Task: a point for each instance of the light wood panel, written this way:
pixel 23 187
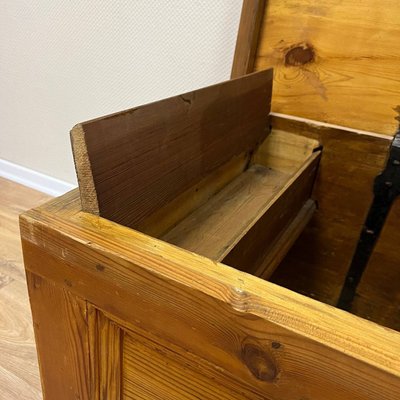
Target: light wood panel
pixel 19 373
pixel 161 371
pixel 62 339
pixel 133 163
pixel 269 340
pixel 334 61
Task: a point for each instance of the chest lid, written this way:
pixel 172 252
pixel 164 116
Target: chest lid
pixel 334 61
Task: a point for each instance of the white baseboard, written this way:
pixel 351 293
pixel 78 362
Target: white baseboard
pixel 34 179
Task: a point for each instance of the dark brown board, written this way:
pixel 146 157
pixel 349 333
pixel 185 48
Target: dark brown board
pixel 131 163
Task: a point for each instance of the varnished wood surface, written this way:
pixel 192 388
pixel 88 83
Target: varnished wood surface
pixel 270 341
pixel 61 334
pixel 19 373
pixel 105 345
pixel 247 40
pixel 133 163
pixel 334 61
pixel 158 371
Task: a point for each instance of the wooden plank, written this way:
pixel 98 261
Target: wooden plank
pixel 334 61
pixel 132 163
pixel 247 40
pixel 161 371
pixel 60 326
pixel 165 218
pixel 270 340
pixel 214 229
pixel 105 344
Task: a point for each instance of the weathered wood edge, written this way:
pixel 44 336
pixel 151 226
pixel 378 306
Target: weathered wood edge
pixel 84 171
pixel 360 339
pixel 247 39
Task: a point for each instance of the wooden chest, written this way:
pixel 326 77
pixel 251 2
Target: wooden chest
pixel 212 240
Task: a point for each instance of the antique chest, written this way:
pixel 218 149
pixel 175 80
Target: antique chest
pixel 239 241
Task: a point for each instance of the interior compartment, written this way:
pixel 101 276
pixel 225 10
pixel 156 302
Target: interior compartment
pixel 242 222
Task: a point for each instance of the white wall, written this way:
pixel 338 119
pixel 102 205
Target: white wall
pixel 63 62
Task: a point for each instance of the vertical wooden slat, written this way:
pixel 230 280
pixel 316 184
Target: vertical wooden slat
pixel 60 325
pixel 247 40
pixel 105 339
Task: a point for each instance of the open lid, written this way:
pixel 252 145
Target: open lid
pixel 334 61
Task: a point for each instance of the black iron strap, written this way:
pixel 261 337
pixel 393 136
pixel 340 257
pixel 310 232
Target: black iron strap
pixel 386 189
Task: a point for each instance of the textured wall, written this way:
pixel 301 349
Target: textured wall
pixel 62 62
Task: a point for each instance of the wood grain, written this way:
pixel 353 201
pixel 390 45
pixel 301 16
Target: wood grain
pixel 214 229
pixel 132 163
pixel 334 61
pixel 247 39
pixel 161 371
pixel 105 347
pixel 19 372
pixel 60 324
pixel 269 340
pixel 165 218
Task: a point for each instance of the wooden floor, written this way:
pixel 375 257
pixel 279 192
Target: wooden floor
pixel 19 374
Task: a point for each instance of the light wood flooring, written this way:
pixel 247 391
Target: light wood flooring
pixel 19 373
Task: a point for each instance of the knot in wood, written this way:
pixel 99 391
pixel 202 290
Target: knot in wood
pixel 260 363
pixel 299 55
